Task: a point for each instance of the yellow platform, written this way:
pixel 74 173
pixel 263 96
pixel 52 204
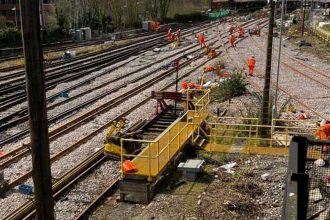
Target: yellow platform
pixel 155 165
pixel 157 154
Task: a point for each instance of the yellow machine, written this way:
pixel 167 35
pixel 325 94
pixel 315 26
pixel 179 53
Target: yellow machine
pixel 176 43
pixel 207 50
pixel 115 133
pixel 212 53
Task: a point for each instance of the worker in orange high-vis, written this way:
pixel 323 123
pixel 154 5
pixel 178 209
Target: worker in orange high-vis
pixel 201 39
pixel 169 35
pixel 231 29
pixel 323 133
pixel 178 33
pixel 241 32
pixel 153 26
pixel 232 40
pixel 208 68
pixel 251 63
pixel 157 25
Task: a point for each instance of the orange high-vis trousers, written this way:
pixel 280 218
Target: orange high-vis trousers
pixel 251 69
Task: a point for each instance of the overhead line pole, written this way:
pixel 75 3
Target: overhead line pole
pixel 35 84
pixel 279 61
pixel 266 92
pixel 303 19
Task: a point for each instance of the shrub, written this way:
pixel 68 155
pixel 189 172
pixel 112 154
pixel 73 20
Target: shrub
pixel 10 37
pixel 195 16
pixel 230 88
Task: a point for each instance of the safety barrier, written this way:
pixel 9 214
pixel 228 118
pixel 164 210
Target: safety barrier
pixel 246 135
pixel 156 154
pixel 323 35
pixel 307 186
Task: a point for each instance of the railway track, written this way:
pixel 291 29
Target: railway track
pixel 54 64
pixel 84 104
pixel 260 88
pixel 74 109
pixel 23 209
pixel 69 72
pixel 66 45
pixel 301 69
pixel 309 77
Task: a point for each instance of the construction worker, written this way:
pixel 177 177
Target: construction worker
pixel 323 133
pixel 257 29
pixel 241 32
pixel 201 39
pixel 212 53
pixel 232 40
pixel 184 85
pixel 178 33
pixel 251 63
pixel 231 19
pixel 208 68
pixel 231 29
pixel 153 26
pixel 169 35
pixel 157 25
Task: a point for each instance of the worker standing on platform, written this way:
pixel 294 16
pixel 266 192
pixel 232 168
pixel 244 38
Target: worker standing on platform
pixel 201 39
pixel 323 133
pixel 232 40
pixel 251 63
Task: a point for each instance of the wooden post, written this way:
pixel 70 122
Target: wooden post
pixel 266 91
pixel 37 108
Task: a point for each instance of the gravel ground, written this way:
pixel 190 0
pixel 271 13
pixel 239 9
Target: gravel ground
pixel 79 197
pixel 67 162
pixel 215 195
pixel 300 87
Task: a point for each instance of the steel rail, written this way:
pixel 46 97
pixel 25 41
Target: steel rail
pixel 28 207
pixel 18 97
pixel 16 151
pixel 296 99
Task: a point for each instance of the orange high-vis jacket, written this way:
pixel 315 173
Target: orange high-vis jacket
pixel 201 37
pixel 184 85
pixel 323 132
pixel 232 39
pixel 251 61
pixel 209 68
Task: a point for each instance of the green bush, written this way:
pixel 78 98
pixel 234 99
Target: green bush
pixel 195 16
pixel 10 37
pixel 230 88
pixel 55 35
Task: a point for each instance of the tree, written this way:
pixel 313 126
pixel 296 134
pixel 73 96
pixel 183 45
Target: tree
pixel 158 8
pixel 163 9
